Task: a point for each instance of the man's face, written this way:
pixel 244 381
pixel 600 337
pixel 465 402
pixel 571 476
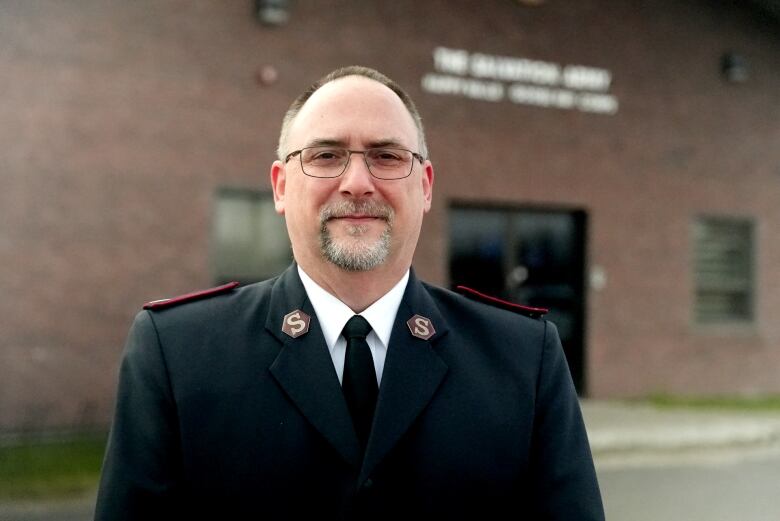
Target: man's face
pixel 355 222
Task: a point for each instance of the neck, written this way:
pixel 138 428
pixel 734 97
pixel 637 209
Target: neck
pixel 357 289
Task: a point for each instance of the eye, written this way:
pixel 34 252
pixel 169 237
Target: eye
pixel 326 154
pixel 387 156
pixel 323 155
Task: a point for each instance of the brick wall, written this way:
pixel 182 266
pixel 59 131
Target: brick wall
pixel 120 119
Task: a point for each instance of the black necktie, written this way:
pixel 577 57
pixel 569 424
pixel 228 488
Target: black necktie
pixel 359 380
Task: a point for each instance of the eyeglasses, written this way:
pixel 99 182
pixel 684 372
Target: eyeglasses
pixel 382 163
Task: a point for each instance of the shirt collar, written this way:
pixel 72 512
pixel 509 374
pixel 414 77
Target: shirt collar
pixel 333 314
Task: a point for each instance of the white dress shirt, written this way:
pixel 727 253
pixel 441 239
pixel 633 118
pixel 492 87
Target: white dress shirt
pixel 333 314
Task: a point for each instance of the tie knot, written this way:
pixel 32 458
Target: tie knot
pixel 357 327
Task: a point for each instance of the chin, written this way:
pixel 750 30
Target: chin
pixel 356 255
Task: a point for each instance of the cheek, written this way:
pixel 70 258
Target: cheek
pixel 414 203
pixel 408 214
pixel 301 217
pixel 305 203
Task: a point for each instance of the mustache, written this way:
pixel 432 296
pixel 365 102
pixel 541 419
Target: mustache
pixel 366 207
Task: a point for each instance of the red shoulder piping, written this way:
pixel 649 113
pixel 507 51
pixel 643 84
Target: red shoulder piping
pixel 505 304
pixel 195 295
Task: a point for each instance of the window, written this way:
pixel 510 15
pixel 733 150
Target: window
pixel 723 264
pixel 249 239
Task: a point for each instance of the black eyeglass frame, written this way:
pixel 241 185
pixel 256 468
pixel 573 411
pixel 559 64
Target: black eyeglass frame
pixel 349 152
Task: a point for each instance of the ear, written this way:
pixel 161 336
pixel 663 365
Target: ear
pixel 427 185
pixel 279 184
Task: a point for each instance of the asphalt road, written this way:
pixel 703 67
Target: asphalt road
pixel 76 510
pixel 719 489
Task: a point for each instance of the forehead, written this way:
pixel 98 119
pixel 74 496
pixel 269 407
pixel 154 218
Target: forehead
pixel 355 110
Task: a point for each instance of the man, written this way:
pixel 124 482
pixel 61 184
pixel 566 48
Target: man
pixel 275 401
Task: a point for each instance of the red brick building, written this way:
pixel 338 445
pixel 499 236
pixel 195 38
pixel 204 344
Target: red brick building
pixel 616 161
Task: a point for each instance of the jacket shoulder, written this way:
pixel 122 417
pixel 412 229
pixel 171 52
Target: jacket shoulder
pixel 190 297
pixel 470 313
pixel 527 311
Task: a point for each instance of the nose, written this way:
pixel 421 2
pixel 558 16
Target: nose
pixel 356 180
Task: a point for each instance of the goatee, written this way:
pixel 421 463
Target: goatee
pixel 356 253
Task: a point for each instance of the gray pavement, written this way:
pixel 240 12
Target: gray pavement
pixel 629 441
pixel 739 490
pixel 79 509
pixel 631 434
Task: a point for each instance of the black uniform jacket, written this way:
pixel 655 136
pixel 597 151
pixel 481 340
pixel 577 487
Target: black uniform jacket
pixel 221 415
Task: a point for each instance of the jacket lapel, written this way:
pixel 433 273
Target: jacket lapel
pixel 412 373
pixel 304 368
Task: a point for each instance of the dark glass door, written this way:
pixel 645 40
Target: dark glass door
pixel 534 257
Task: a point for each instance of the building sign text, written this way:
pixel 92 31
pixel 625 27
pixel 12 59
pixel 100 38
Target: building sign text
pixel 520 80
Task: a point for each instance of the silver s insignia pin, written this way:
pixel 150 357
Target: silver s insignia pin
pixel 421 327
pixel 296 323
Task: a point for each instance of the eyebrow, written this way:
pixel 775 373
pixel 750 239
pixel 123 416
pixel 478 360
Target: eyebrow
pixel 324 142
pixel 329 142
pixel 386 143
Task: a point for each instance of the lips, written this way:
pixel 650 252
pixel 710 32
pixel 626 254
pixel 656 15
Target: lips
pixel 358 217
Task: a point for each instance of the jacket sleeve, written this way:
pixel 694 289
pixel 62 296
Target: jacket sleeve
pixel 565 484
pixel 142 468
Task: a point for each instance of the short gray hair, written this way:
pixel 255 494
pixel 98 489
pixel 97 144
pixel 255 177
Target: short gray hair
pixel 352 70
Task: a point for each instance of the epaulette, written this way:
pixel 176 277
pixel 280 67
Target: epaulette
pixel 189 297
pixel 527 311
